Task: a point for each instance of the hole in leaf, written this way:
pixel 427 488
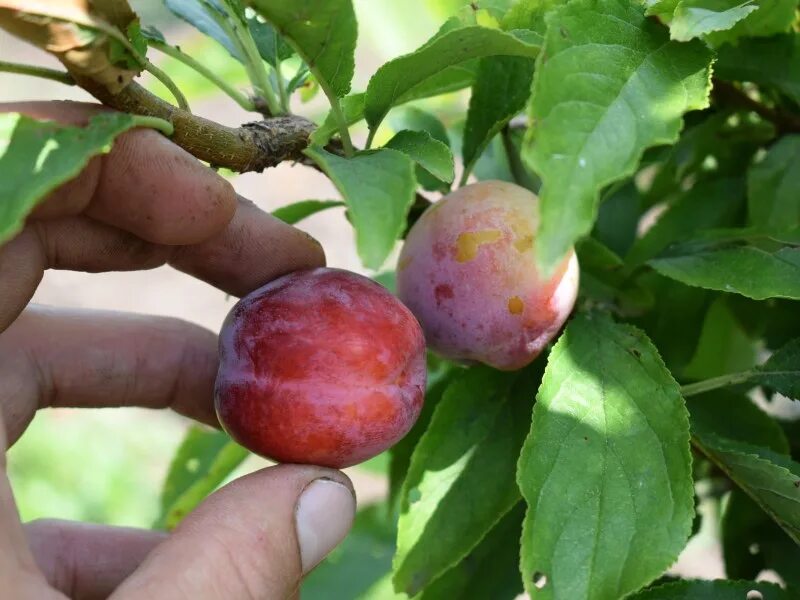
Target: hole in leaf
pixel 754 595
pixel 192 465
pixel 753 549
pixel 539 580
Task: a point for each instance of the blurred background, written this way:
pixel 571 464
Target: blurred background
pixel 107 466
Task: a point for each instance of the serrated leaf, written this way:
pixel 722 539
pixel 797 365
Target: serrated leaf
pixel 771 479
pixel 429 153
pixel 271 46
pixel 206 16
pixel 205 458
pixel 490 570
pixel 773 186
pixel 417 119
pixel 451 79
pixel 38 156
pixel 397 77
pixel 608 85
pixel 378 188
pixel 501 90
pixel 605 470
pixel 461 478
pixel 743 420
pixel 298 211
pixel 747 271
pixel 781 372
pixel 772 16
pixel 709 204
pixel 696 18
pixel 323 32
pixel 712 590
pixel 771 61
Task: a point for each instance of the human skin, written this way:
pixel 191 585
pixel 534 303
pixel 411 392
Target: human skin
pixel 468 272
pixel 145 204
pixel 321 366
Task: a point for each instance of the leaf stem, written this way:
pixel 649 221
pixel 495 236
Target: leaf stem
pixel 518 171
pixel 714 383
pixel 42 72
pixel 284 98
pixel 161 125
pixel 176 53
pixel 170 85
pixel 253 64
pixel 370 138
pixel 336 109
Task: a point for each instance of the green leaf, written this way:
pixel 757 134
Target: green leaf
pixel 461 478
pixel 676 320
pixel 353 111
pixel 205 458
pixel 206 16
pixel 712 590
pixel 772 16
pixel 751 542
pixel 38 156
pixel 771 61
pixel 323 32
pixel 429 153
pixel 773 186
pixel 397 77
pixel 608 85
pixel 696 18
pixel 501 90
pixel 451 79
pixel 298 211
pixel 378 188
pixel 618 218
pixel 400 453
pixel 772 480
pixel 710 203
pixel 416 119
pixel 781 372
pixel 606 469
pixel 723 347
pixel 352 569
pixel 744 421
pixel 271 46
pixel 747 271
pixel 490 571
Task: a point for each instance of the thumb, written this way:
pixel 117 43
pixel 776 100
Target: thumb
pixel 253 539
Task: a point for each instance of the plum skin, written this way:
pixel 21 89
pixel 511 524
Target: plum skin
pixel 321 366
pixel 468 273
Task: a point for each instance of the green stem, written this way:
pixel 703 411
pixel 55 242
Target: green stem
pixel 254 65
pixel 176 53
pixel 161 125
pixel 42 72
pixel 714 383
pixel 282 88
pixel 336 109
pixel 518 171
pixel 370 138
pixel 170 85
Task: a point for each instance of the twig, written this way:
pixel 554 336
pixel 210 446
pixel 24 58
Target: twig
pixel 41 72
pixel 727 94
pixel 251 147
pixel 176 53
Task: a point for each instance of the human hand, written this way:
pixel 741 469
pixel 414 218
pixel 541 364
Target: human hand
pixel 145 204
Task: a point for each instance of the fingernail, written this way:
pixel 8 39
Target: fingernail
pixel 323 517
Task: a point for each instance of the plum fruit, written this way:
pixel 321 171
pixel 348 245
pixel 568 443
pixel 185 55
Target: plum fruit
pixel 468 273
pixel 320 366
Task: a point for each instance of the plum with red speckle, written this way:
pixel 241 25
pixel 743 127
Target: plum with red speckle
pixel 468 272
pixel 321 366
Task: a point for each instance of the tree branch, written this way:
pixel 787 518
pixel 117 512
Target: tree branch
pixel 727 94
pixel 251 147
